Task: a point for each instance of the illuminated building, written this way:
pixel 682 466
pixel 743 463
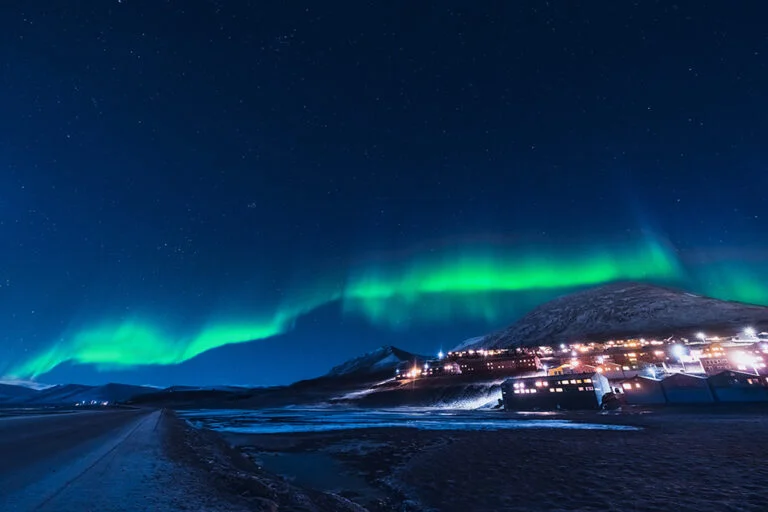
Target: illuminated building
pixel 436 368
pixel 502 361
pixel 554 392
pixel 731 386
pixel 409 370
pixel 641 390
pixel 682 388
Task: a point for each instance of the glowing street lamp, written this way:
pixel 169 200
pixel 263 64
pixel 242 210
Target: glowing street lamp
pixel 679 351
pixel 701 336
pixel 750 332
pixel 440 355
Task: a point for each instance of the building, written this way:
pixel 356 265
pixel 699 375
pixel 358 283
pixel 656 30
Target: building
pixel 552 392
pixel 641 390
pixel 715 365
pixel 571 368
pixel 734 386
pixel 409 370
pixel 683 388
pixel 436 368
pixel 505 364
pixel 744 357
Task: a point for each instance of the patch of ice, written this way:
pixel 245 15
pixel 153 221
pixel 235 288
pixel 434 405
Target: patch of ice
pixel 281 421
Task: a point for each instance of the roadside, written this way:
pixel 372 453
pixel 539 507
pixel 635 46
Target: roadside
pixel 100 461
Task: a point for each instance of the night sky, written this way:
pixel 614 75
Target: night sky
pixel 209 192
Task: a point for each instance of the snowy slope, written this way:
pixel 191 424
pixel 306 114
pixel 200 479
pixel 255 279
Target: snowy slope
pixel 467 343
pixel 75 393
pixel 10 393
pixel 624 310
pixel 381 360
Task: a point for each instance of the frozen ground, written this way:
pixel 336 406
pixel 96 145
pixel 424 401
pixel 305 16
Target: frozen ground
pixel 683 459
pixel 326 419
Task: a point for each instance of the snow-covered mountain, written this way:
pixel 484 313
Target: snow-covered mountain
pixel 469 342
pixel 625 310
pixel 10 393
pixel 70 394
pixel 382 360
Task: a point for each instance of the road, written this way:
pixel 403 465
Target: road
pixel 110 460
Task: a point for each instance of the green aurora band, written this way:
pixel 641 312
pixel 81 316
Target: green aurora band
pixel 447 286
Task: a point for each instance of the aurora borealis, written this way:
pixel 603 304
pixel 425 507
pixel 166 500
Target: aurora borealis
pixel 453 286
pixel 251 194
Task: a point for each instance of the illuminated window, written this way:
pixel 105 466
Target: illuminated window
pixel 559 390
pixel 590 388
pixel 627 385
pixel 551 390
pixel 581 388
pixel 637 385
pixel 573 381
pixel 587 381
pixel 578 381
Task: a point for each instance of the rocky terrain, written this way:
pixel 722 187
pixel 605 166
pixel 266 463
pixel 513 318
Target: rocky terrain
pixel 624 310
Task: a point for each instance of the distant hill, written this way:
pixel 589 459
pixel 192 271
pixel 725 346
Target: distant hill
pixel 68 394
pixel 10 393
pixel 623 310
pixel 383 360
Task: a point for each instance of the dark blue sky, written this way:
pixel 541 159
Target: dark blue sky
pixel 193 164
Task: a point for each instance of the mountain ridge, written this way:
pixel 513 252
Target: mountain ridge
pixel 623 309
pixel 381 360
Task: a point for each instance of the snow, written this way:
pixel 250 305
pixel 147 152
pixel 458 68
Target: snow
pixel 467 343
pixel 379 360
pixel 293 420
pixel 624 310
pixel 387 362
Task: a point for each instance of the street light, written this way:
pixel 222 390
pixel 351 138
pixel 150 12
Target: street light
pixel 701 336
pixel 679 351
pixel 750 332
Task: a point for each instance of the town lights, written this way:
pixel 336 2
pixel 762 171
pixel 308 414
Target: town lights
pixel 744 361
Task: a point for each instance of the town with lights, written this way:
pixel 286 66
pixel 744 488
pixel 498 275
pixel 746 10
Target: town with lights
pixel 641 371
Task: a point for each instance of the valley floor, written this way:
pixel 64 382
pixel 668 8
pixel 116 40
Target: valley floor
pixel 138 460
pixel 683 460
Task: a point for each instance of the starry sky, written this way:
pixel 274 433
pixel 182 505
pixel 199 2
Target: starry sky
pixel 211 192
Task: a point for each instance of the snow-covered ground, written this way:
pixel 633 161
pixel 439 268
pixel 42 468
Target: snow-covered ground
pixel 324 419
